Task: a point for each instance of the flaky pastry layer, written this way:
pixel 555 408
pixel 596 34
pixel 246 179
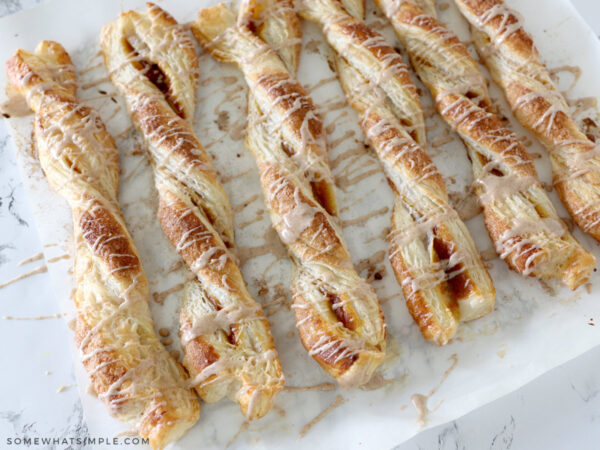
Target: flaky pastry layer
pixel 130 370
pixel 520 219
pixel 514 63
pixel 431 251
pixel 226 339
pixel 337 313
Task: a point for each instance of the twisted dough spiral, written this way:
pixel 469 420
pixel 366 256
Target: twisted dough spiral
pixel 226 339
pixel 131 371
pixel 510 55
pixel 519 216
pixel 431 251
pixel 337 313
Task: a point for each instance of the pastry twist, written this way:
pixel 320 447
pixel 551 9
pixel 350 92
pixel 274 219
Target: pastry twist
pixel 337 313
pixel 130 370
pixel 431 251
pixel 514 63
pixel 226 339
pixel 519 216
pixel 276 23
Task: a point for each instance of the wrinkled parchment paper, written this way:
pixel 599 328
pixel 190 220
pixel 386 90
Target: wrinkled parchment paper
pixel 535 326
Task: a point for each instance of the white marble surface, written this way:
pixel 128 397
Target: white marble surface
pixel 558 410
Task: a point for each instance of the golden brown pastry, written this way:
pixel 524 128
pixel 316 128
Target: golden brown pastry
pixel 130 370
pixel 431 251
pixel 510 55
pixel 519 216
pixel 276 23
pixel 226 339
pixel 337 313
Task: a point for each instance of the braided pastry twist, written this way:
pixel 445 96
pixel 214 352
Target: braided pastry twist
pixel 519 216
pixel 337 313
pixel 431 251
pixel 514 63
pixel 226 339
pixel 130 370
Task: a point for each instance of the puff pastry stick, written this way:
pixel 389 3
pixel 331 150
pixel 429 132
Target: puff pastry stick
pixel 130 370
pixel 337 313
pixel 276 23
pixel 519 216
pixel 226 339
pixel 514 63
pixel 431 251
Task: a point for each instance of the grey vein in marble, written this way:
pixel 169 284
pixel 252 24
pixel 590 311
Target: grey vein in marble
pixel 504 439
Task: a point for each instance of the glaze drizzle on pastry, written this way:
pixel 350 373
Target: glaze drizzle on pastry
pixel 228 347
pixel 131 371
pixel 514 63
pixel 431 251
pixel 521 220
pixel 337 313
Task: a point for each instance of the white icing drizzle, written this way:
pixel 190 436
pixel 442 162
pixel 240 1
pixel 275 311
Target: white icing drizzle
pixel 505 29
pixel 35 257
pixel 420 401
pixel 52 316
pixel 338 401
pixel 221 320
pixel 377 85
pixel 287 138
pixel 515 65
pixel 220 367
pixel 505 178
pixel 218 313
pixel 499 188
pixel 512 241
pixel 297 219
pixel 114 327
pixel 41 269
pixel 307 141
pixel 64 388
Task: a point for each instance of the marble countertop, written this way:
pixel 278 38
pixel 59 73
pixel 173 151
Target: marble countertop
pixel 561 409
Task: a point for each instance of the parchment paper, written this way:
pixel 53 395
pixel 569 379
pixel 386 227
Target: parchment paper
pixel 535 326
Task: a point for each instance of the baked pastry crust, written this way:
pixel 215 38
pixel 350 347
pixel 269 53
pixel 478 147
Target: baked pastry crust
pixel 227 343
pixel 519 216
pixel 130 370
pixel 514 63
pixel 337 313
pixel 431 251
